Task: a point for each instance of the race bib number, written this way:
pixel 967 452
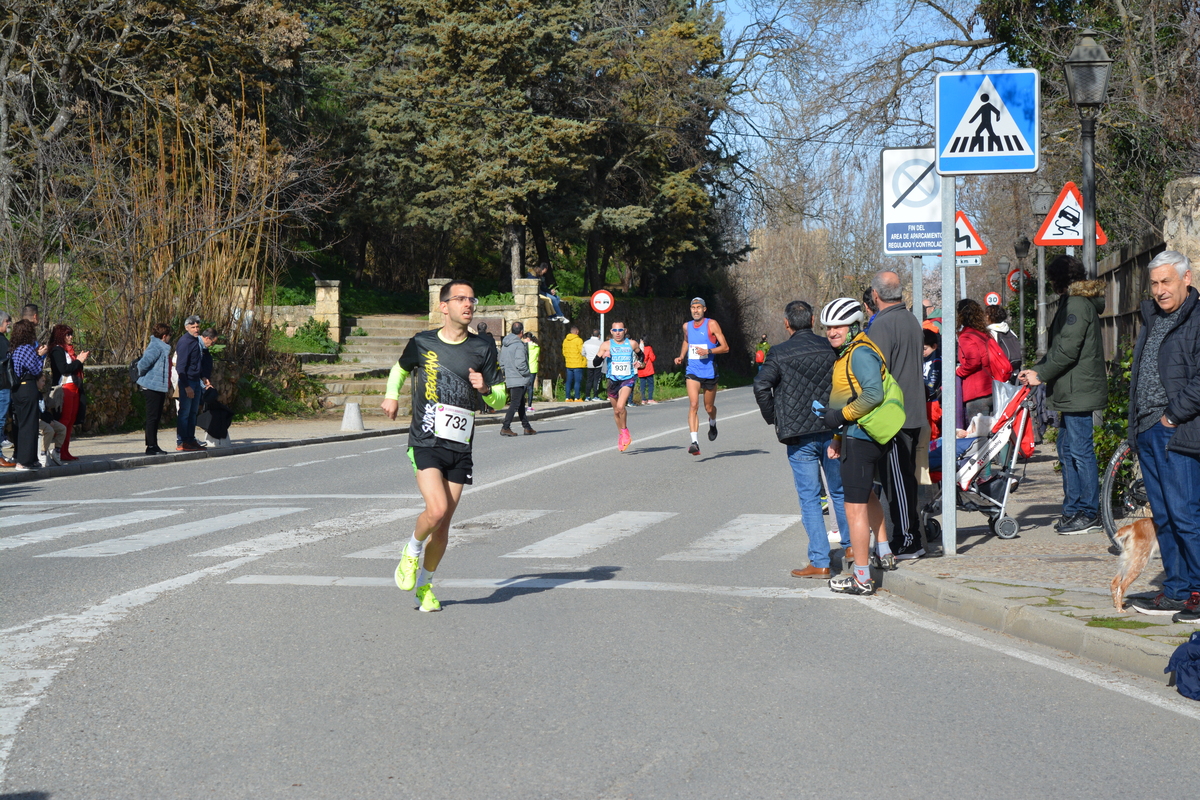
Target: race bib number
pixel 693 354
pixel 622 369
pixel 453 423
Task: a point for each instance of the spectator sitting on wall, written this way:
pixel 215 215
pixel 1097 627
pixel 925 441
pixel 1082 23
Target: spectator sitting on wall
pixel 546 293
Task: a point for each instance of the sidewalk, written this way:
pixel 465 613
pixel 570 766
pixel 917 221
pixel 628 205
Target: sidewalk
pixel 1040 586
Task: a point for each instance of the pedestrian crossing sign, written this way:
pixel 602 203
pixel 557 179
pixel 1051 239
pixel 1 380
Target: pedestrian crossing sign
pixel 986 122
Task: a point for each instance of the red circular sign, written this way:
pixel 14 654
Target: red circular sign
pixel 992 299
pixel 1012 280
pixel 602 301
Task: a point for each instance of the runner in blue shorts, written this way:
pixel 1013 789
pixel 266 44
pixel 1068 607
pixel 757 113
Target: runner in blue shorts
pixel 702 339
pixel 619 356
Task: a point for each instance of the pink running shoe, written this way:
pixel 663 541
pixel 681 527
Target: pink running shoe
pixel 623 439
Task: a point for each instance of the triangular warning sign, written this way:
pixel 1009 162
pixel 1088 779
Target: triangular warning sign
pixel 966 240
pixel 1063 226
pixel 986 127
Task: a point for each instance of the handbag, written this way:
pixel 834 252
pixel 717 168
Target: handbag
pixel 54 400
pixel 883 422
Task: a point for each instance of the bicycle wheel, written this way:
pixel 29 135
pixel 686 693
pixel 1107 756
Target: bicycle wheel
pixel 1122 492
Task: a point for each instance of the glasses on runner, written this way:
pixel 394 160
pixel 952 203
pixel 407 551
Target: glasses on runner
pixel 617 330
pixel 462 298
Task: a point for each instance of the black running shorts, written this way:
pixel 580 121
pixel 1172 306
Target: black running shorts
pixel 707 384
pixel 860 460
pixel 456 467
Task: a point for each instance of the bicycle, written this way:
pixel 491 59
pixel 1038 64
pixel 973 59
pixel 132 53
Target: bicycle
pixel 1123 498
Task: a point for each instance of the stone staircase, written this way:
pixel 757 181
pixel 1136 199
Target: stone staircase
pixel 361 374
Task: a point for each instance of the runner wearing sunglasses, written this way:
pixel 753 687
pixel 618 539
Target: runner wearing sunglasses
pixel 619 357
pixel 451 369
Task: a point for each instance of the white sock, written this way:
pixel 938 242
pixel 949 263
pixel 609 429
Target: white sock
pixel 424 577
pixel 883 548
pixel 712 422
pixel 862 574
pixel 695 438
pixel 415 546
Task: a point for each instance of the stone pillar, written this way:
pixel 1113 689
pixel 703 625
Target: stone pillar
pixel 525 298
pixel 1181 228
pixel 242 307
pixel 435 293
pixel 329 308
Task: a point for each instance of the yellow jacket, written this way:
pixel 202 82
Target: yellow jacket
pixel 572 350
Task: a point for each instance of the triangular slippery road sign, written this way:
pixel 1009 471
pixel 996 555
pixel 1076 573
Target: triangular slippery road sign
pixel 966 239
pixel 1063 226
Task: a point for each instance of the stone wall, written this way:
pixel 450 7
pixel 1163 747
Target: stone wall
pixel 1181 228
pixel 290 317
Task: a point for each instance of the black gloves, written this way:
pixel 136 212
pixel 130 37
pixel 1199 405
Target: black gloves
pixel 833 418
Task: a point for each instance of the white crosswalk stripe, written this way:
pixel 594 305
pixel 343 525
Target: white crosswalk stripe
pixel 29 519
pixel 90 526
pixel 737 538
pixel 285 540
pixel 460 532
pixel 175 533
pixel 592 536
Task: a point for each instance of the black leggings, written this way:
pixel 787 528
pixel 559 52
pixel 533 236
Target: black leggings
pixel 154 410
pixel 25 414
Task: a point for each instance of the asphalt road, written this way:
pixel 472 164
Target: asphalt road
pixel 613 625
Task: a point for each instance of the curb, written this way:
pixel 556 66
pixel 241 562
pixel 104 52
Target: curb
pixel 93 466
pixel 1131 653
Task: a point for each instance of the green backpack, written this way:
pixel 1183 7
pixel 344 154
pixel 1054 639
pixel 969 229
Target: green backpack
pixel 883 422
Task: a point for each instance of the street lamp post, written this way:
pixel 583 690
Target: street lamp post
pixel 1087 70
pixel 1005 265
pixel 1041 196
pixel 1021 246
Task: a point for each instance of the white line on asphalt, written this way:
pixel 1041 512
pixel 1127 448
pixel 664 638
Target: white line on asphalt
pixel 521 476
pixel 284 540
pixel 1112 684
pixel 139 494
pixel 378 450
pixel 218 480
pixel 175 533
pixel 739 536
pixel 306 463
pixel 351 455
pixel 272 469
pixel 763 592
pixel 27 519
pixel 101 524
pixel 591 536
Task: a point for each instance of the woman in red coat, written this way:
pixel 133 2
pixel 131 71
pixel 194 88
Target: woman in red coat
pixel 66 369
pixel 973 359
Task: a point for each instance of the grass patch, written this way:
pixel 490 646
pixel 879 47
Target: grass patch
pixel 311 337
pixel 1118 623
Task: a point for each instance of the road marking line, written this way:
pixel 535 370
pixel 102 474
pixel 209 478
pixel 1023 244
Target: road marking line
pixel 306 463
pixel 175 533
pixel 272 469
pixel 521 476
pixel 259 498
pixel 378 450
pixel 1112 684
pixel 741 535
pixel 148 491
pixel 218 480
pixel 101 524
pixel 351 455
pixel 27 519
pixel 762 592
pixel 284 540
pixel 460 533
pixel 591 536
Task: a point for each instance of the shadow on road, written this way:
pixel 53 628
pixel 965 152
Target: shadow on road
pixel 734 453
pixel 535 582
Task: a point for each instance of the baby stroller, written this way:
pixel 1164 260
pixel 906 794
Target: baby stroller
pixel 977 490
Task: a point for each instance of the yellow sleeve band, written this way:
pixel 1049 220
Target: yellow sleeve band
pixel 395 381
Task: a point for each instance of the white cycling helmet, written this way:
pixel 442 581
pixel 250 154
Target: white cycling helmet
pixel 843 311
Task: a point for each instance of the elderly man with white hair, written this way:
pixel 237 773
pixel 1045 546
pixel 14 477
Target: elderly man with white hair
pixel 1164 427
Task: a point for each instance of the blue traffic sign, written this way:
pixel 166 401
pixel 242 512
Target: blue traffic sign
pixel 987 122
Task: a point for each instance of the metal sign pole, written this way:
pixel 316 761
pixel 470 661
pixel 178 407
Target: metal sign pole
pixel 1041 302
pixel 949 358
pixel 918 284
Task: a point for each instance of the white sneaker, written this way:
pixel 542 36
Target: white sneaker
pixel 44 460
pixel 54 456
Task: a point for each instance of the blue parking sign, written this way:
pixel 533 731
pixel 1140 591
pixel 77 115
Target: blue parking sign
pixel 987 122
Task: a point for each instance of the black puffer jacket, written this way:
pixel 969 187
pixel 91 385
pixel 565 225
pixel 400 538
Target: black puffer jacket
pixel 1179 367
pixel 796 373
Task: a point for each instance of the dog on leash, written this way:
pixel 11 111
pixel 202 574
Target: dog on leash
pixel 1138 543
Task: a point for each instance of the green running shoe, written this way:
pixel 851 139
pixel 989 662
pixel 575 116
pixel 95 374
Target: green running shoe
pixel 406 571
pixel 427 600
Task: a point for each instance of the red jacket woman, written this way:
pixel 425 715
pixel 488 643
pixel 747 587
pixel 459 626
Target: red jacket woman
pixel 67 371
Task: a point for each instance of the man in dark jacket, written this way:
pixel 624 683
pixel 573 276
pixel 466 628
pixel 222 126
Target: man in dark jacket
pixel 1076 385
pixel 897 333
pixel 187 368
pixel 1164 428
pixel 792 389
